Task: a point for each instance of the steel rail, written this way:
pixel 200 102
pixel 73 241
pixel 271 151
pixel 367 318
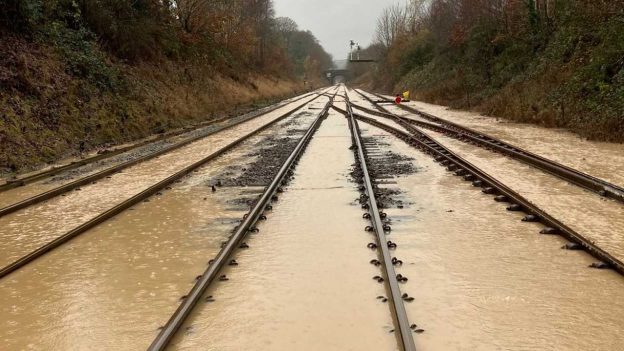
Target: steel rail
pixel 186 307
pixel 396 300
pixel 14 183
pixel 23 261
pixel 563 172
pixel 490 185
pixel 18 182
pixel 112 170
pixel 574 176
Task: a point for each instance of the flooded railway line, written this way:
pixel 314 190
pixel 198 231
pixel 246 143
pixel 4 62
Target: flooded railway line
pixel 295 272
pixel 29 221
pixel 323 186
pixel 478 275
pixel 99 236
pixel 465 134
pixel 502 193
pixel 102 156
pixel 369 196
pixel 91 178
pixel 236 239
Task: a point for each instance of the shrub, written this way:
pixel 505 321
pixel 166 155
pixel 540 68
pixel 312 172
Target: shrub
pixel 20 15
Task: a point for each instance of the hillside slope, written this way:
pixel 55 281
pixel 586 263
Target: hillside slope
pixel 79 75
pixel 46 113
pixel 550 62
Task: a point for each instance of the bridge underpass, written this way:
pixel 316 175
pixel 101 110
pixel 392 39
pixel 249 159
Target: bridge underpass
pixel 335 76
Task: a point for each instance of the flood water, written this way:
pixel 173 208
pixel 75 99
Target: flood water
pixel 111 288
pixel 484 280
pixel 598 219
pixel 481 278
pixel 600 159
pixel 305 283
pixel 25 230
pixel 21 193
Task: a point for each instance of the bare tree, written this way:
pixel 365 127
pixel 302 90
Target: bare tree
pixel 392 23
pixel 418 14
pixel 285 25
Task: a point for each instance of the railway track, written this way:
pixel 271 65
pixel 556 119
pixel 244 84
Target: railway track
pixel 56 170
pixel 128 203
pixel 403 328
pixel 454 130
pixel 491 186
pixel 364 152
pixel 223 257
pixel 404 335
pixel 47 195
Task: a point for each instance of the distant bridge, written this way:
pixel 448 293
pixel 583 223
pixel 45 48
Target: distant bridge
pixel 340 72
pixel 336 75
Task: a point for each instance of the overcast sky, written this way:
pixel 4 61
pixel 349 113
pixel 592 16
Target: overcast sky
pixel 335 22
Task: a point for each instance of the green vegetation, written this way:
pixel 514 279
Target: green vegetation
pixel 76 75
pixel 558 63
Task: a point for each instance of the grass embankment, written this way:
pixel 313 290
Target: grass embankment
pixel 49 112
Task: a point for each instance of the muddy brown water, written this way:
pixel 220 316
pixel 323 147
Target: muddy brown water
pixel 305 283
pixel 598 219
pixel 483 280
pixel 600 159
pixel 25 230
pixel 111 288
pixel 21 193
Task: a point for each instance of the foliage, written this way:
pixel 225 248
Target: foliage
pixel 20 15
pixel 554 62
pixel 231 33
pixel 82 74
pixel 307 56
pixel 133 30
pixel 82 56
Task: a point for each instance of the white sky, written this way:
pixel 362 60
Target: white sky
pixel 335 22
